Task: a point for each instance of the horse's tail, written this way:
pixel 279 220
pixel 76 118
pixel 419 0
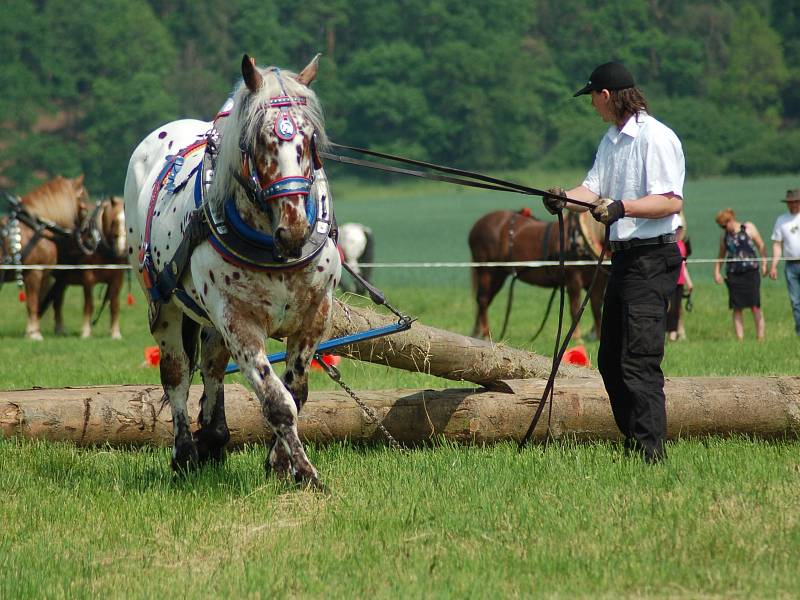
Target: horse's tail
pixel 56 290
pixel 106 299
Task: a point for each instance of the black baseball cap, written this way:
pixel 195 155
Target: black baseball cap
pixel 609 76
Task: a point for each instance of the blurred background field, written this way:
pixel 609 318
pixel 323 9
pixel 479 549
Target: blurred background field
pixel 430 222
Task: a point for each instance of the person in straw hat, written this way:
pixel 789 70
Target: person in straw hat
pixel 786 243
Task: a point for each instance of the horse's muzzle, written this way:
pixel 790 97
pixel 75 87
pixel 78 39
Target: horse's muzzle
pixel 289 241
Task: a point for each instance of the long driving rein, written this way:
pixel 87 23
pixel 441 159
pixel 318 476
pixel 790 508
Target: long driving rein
pixel 478 180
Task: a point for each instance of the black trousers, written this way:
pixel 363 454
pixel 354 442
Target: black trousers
pixel 632 343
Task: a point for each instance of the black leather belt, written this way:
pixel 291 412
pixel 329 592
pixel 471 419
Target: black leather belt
pixel 667 238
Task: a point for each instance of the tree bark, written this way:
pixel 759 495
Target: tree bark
pixel 442 353
pixel 766 407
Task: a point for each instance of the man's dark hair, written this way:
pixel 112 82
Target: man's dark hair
pixel 627 102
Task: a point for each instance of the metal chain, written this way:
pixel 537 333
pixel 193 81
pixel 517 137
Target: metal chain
pixel 334 374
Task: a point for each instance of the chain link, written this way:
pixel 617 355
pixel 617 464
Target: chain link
pixel 334 374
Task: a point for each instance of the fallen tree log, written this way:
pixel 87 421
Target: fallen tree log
pixel 132 415
pixel 424 349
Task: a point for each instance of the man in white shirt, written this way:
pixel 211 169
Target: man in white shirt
pixel 636 186
pixel 786 243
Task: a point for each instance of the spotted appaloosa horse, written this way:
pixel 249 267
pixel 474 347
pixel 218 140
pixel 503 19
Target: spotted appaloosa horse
pixel 357 244
pixel 64 203
pixel 107 222
pixel 266 183
pixel 507 236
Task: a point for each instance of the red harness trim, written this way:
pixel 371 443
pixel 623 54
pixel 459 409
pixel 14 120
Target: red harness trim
pixel 157 185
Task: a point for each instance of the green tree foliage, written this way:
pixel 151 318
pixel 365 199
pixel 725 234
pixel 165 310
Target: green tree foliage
pixel 483 84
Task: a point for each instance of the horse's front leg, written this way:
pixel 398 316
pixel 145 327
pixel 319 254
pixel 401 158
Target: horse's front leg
pixel 59 290
pixel 300 350
pixel 33 284
pixel 574 289
pixel 213 434
pixel 88 309
pixel 114 288
pixel 176 367
pixel 277 404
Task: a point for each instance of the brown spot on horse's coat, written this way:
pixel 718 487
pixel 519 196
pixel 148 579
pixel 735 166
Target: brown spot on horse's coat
pixel 171 371
pixel 211 275
pixel 205 289
pixel 227 280
pixel 320 269
pixel 236 275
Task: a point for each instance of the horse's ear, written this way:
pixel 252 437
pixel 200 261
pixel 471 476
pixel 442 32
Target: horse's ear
pixel 78 181
pixel 252 76
pixel 308 74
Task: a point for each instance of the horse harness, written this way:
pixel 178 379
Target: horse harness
pixel 40 226
pixel 231 237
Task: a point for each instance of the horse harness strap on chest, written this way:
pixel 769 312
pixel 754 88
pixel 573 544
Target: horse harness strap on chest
pixel 36 224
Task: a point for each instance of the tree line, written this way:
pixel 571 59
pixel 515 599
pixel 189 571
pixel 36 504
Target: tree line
pixel 483 84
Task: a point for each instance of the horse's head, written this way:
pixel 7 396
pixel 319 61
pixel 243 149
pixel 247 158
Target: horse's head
pixel 112 226
pixel 279 124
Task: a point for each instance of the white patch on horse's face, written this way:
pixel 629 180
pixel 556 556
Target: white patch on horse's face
pixel 282 158
pixel 119 234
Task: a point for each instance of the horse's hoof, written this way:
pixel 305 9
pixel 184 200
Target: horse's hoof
pixel 312 484
pixel 35 336
pixel 185 458
pixel 211 445
pixel 210 454
pixel 116 336
pixel 279 468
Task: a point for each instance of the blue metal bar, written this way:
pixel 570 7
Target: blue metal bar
pixel 336 342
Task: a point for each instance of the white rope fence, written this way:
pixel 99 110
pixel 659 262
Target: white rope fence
pixel 397 265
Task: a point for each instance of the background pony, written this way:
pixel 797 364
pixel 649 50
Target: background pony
pixel 107 223
pixel 357 245
pixel 508 236
pixel 47 232
pixel 262 262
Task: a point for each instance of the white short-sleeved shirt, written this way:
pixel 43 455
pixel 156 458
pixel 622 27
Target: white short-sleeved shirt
pixel 644 157
pixel 787 230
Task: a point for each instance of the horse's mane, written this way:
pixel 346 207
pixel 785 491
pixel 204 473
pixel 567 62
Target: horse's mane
pixel 248 118
pixel 55 201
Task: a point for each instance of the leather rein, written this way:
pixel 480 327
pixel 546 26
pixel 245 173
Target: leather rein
pixel 478 180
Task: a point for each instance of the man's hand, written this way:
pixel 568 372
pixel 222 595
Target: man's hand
pixel 773 272
pixel 555 205
pixel 608 211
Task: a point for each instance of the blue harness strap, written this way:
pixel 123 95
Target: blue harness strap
pixel 370 334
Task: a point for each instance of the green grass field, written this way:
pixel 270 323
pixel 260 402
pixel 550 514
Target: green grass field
pixel 718 519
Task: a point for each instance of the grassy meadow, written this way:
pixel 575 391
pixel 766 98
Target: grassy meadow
pixel 717 519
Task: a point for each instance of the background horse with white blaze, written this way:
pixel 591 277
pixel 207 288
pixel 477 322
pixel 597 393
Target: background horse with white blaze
pixel 106 224
pixel 268 195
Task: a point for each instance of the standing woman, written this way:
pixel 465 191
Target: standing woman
pixel 739 241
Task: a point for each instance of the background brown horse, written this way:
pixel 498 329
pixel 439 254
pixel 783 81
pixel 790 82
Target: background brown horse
pixel 108 219
pixel 505 236
pixel 63 203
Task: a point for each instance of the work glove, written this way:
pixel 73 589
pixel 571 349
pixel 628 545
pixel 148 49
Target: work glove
pixel 555 205
pixel 608 211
